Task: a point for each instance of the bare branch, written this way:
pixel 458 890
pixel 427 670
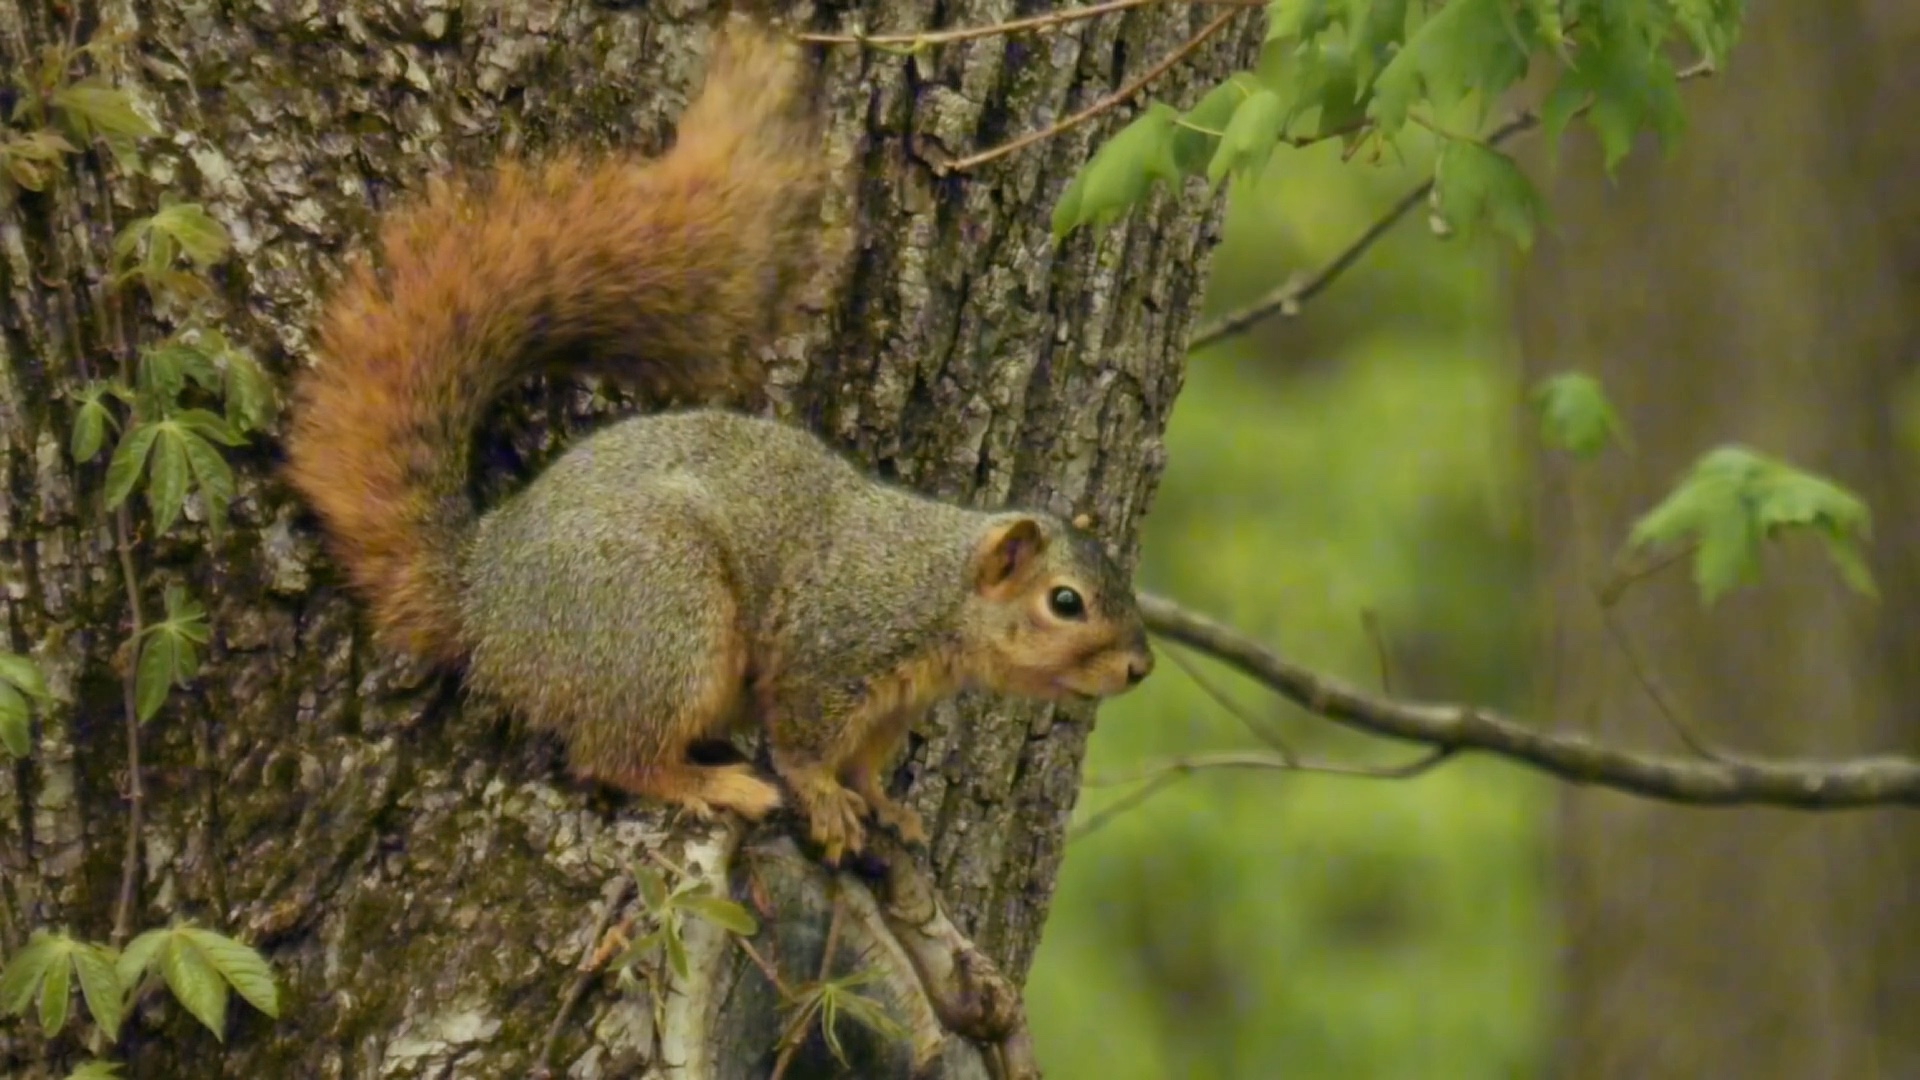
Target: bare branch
pixel 1256 728
pixel 1118 97
pixel 591 961
pixel 1162 775
pixel 1287 298
pixel 912 43
pixel 1807 785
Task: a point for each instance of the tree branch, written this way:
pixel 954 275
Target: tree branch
pixel 1287 298
pixel 1806 785
pixel 910 43
pixel 1166 64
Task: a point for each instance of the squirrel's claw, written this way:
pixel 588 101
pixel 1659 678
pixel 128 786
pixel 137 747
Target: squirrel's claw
pixel 833 814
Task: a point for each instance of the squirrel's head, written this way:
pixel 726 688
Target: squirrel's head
pixel 1050 616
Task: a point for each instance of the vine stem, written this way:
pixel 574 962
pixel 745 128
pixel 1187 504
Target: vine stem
pixel 130 679
pixel 136 791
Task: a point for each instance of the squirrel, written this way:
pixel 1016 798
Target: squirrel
pixel 677 574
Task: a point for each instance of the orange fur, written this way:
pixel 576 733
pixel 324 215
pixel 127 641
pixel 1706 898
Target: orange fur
pixel 657 270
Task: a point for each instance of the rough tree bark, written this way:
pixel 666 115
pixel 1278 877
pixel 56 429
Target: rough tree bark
pixel 1759 286
pixel 409 860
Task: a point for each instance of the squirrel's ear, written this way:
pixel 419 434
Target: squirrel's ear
pixel 1008 551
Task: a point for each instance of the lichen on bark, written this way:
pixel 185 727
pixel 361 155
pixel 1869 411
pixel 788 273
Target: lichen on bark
pixel 411 860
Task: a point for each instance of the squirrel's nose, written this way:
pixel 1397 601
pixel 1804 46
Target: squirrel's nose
pixel 1139 668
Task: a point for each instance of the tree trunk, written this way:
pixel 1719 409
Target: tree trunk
pixel 412 863
pixel 1758 287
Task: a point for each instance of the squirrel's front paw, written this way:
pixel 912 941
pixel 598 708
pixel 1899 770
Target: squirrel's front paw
pixel 833 815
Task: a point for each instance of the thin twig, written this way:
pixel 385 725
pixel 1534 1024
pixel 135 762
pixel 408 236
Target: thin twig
pixel 1643 674
pixel 1287 298
pixel 1264 732
pixel 1117 97
pixel 590 965
pixel 1807 785
pixel 1161 775
pixel 1371 620
pixel 766 967
pixel 130 699
pixel 1132 799
pixel 1626 577
pixel 915 42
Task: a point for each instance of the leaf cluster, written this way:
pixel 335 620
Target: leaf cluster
pixel 1730 501
pixel 666 910
pixel 1364 71
pixel 197 965
pixel 169 413
pixel 826 1001
pixel 55 113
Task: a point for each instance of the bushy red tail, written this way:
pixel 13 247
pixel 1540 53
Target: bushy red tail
pixel 664 271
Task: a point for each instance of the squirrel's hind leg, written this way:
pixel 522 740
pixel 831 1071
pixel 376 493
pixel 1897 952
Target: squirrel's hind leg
pixel 700 789
pixel 618 629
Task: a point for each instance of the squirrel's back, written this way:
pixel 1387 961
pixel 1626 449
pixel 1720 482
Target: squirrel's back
pixel 666 272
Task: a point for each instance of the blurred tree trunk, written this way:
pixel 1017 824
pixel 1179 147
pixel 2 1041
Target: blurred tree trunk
pixel 412 865
pixel 1758 287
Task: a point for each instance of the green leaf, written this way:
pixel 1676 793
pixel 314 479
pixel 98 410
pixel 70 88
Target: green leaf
pixel 188 618
pixel 1734 498
pixel 676 948
pixel 1249 138
pixel 1630 84
pixel 25 675
pixel 1575 414
pixel 728 915
pixel 201 237
pixel 90 422
pixel 1330 81
pixel 1199 130
pixel 209 425
pixel 56 992
pixel 32 158
pixel 165 369
pixel 637 950
pixel 167 484
pixel 240 965
pixel 129 461
pixel 93 106
pixel 1712 25
pixel 153 674
pixel 1121 173
pixel 1728 555
pixel 96 1069
pixel 250 396
pixel 653 887
pixel 1375 27
pixel 138 956
pixel 1467 46
pixel 20 981
pixel 16 730
pixel 214 478
pixel 1477 184
pixel 100 986
pixel 869 1014
pixel 1297 19
pixel 195 983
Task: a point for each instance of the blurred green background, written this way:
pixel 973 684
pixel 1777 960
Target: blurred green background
pixel 1357 459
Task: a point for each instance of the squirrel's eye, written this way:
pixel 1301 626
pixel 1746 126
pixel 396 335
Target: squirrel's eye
pixel 1066 603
